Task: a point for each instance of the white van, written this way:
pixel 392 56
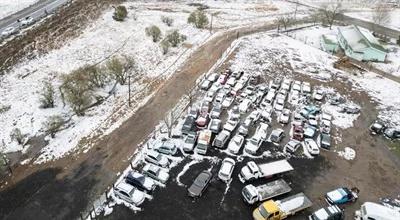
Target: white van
pixel 370 210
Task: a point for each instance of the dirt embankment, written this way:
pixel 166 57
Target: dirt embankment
pixel 53 32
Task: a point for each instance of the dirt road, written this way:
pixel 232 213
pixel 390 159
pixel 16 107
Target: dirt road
pixel 62 189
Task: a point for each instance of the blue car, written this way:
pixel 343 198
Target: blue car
pixel 342 195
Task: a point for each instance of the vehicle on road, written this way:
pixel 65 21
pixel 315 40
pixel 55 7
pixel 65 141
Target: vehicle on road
pixel 252 194
pixel 342 195
pixel 236 144
pixel 8 32
pixel 129 193
pixel 281 209
pixel 370 210
pixel 189 142
pixel 26 21
pixel 277 135
pixel 221 139
pixel 226 170
pixel 140 181
pixel 156 173
pixel 156 158
pixel 200 184
pixel 328 213
pixel 252 171
pixel 311 146
pixel 203 141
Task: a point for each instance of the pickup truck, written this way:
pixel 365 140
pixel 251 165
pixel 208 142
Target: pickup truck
pixel 252 171
pixel 252 194
pixel 281 209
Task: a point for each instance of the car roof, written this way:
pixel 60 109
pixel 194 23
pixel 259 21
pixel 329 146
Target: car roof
pixel 125 187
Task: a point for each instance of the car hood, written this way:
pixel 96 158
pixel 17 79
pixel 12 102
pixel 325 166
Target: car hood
pixel 164 161
pixel 194 190
pixel 137 197
pixel 163 176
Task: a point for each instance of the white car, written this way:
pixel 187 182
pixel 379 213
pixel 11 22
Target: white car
pixel 318 95
pixel 234 113
pixel 284 116
pixel 156 158
pixel 279 105
pixel 255 115
pixel 129 193
pixel 292 146
pixel 156 173
pixel 227 102
pixel 296 86
pixel 231 124
pixel 306 88
pixel 205 84
pixel 226 170
pixel 262 131
pixel 212 77
pixel 231 81
pixel 8 31
pixel 311 146
pixel 253 144
pixel 26 21
pixel 244 105
pixel 189 142
pixel 235 144
pixel 209 97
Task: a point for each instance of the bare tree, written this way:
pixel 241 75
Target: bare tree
pixel 16 135
pixel 316 17
pixel 330 11
pixel 381 14
pixel 47 95
pixel 284 21
pixel 54 124
pixel 169 121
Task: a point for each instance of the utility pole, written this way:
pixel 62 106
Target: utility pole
pixel 211 24
pixel 129 89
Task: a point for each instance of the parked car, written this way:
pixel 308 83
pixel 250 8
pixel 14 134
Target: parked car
pixel 392 133
pixel 336 100
pixel 318 95
pixel 231 124
pixel 262 131
pixel 244 127
pixel 325 141
pixel 200 184
pixel 140 181
pixel 297 132
pixel 342 195
pixel 255 115
pixel 277 135
pixel 328 213
pixel 227 102
pixel 212 77
pixel 292 146
pixel 222 79
pixel 205 85
pixel 166 147
pixel 129 193
pixel 202 121
pixel 216 111
pixel 235 144
pixel 220 97
pixel 189 142
pixel 284 116
pixel 309 131
pixel 234 113
pixel 188 125
pixel 311 146
pixel 209 97
pixel 244 105
pixel 231 81
pixel 279 104
pixel 156 173
pixel 253 144
pixel 8 31
pixel 350 109
pixel 215 126
pixel 156 158
pixel 221 139
pixel 377 128
pixel 226 170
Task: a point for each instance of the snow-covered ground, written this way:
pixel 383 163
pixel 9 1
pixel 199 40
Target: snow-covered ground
pixel 367 15
pixel 9 7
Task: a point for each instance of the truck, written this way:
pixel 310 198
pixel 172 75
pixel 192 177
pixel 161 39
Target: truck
pixel 370 210
pixel 252 171
pixel 252 194
pixel 281 209
pixel 203 141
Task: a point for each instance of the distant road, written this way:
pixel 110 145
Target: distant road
pixel 36 11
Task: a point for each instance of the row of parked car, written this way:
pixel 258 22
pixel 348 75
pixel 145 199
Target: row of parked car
pixel 24 22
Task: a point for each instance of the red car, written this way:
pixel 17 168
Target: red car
pixel 222 79
pixel 297 132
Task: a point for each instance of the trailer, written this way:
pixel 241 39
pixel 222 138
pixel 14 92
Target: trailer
pixel 252 171
pixel 252 194
pixel 281 209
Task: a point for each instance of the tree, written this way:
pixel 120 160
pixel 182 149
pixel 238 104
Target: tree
pixel 116 68
pixel 198 18
pixel 53 125
pixel 165 45
pixel 96 76
pixel 381 14
pixel 175 38
pixel 120 13
pixel 316 17
pixel 167 20
pixel 16 135
pixel 284 20
pixel 47 95
pixel 330 11
pixel 153 32
pixel 169 121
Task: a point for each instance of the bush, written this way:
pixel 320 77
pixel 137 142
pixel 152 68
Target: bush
pixel 16 135
pixel 53 124
pixel 153 32
pixel 119 69
pixel 175 38
pixel 198 18
pixel 120 13
pixel 167 20
pixel 96 76
pixel 165 46
pixel 47 95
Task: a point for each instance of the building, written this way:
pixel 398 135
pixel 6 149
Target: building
pixel 329 43
pixel 360 44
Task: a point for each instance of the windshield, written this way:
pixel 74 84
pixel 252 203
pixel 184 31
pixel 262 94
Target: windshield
pixel 263 212
pixel 246 193
pixel 190 140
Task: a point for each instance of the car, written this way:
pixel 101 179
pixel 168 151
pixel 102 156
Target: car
pixel 205 85
pixel 296 86
pixel 255 115
pixel 234 113
pixel 200 184
pixel 219 98
pixel 212 77
pixel 332 212
pixel 306 88
pixel 253 144
pixel 166 147
pixel 292 146
pixel 231 81
pixel 244 127
pixel 262 131
pixel 336 100
pixel 318 95
pixel 279 104
pixel 277 135
pixel 231 124
pixel 140 181
pixel 156 158
pixel 235 144
pixel 244 105
pixel 377 128
pixel 227 101
pixel 351 109
pixel 128 193
pixel 325 126
pixel 325 141
pixel 266 114
pixel 8 31
pixel 188 125
pixel 209 97
pixel 221 139
pixel 342 195
pixel 215 88
pixel 392 133
pixel 216 111
pixel 193 111
pixel 155 173
pixel 189 142
pixel 311 146
pixel 222 79
pixel 309 131
pixel 275 84
pixel 26 21
pixel 284 116
pixel 215 126
pixel 312 122
pixel 205 107
pixel 202 121
pixel 226 170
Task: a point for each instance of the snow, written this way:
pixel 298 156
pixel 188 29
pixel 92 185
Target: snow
pixel 292 204
pixel 367 15
pixel 348 153
pixel 341 120
pixel 185 168
pixel 9 7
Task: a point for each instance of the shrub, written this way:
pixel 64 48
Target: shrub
pixel 53 125
pixel 198 18
pixel 153 32
pixel 165 46
pixel 175 38
pixel 17 135
pixel 96 76
pixel 120 13
pixel 119 69
pixel 47 95
pixel 167 20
